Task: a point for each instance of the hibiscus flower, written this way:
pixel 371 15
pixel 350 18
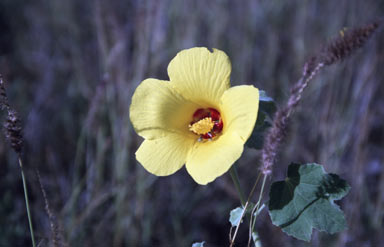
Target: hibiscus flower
pixel 195 118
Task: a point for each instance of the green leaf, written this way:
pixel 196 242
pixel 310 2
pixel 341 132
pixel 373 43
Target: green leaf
pixel 256 239
pixel 305 200
pixel 201 244
pixel 235 214
pixel 266 104
pixel 256 140
pixel 267 108
pixel 255 235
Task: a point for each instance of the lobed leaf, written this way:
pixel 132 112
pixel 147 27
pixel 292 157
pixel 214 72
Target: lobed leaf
pixel 266 104
pixel 267 108
pixel 200 244
pixel 235 216
pixel 305 200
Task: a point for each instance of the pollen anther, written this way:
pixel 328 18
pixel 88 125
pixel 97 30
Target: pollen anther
pixel 202 126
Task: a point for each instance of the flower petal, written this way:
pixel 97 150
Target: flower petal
pixel 239 106
pixel 164 156
pixel 209 160
pixel 201 75
pixel 157 108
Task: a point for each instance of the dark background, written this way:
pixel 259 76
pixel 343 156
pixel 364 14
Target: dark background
pixel 71 68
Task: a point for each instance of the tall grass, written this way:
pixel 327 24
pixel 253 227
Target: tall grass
pixel 72 67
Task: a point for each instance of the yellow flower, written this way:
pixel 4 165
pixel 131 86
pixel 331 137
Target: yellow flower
pixel 194 119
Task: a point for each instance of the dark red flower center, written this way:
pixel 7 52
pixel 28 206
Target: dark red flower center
pixel 207 123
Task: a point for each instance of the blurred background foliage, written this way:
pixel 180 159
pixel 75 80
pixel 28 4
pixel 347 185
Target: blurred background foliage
pixel 71 68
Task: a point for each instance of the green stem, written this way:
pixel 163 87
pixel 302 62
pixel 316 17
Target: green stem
pixel 236 182
pixel 259 201
pixel 27 203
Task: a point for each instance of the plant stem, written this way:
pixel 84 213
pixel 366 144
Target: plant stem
pixel 258 202
pixel 27 203
pixel 236 182
pixel 254 187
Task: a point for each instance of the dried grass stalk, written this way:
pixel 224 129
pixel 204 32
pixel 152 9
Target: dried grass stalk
pixel 12 124
pixel 333 52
